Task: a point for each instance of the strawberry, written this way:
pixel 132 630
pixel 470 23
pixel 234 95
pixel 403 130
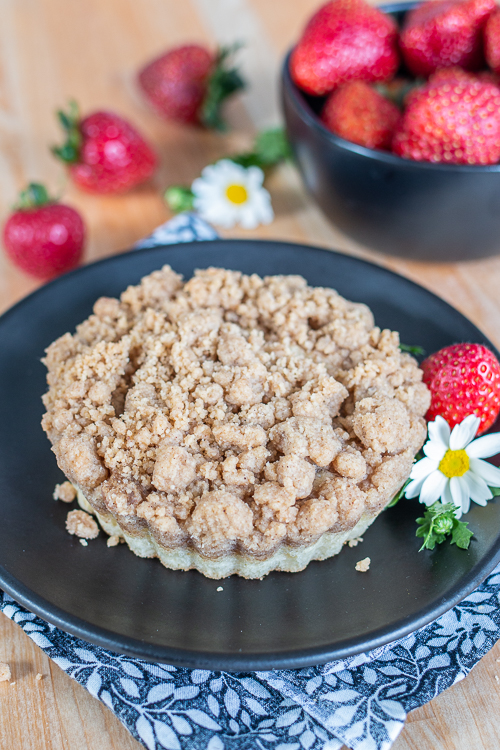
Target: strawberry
pixel 454 118
pixel 492 41
pixel 189 84
pixel 105 154
pixel 445 33
pixel 345 40
pixel 463 379
pixel 358 113
pixel 43 237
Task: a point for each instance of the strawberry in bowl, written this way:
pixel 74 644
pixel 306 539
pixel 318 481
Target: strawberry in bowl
pixel 429 188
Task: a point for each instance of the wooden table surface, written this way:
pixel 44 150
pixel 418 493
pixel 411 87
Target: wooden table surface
pixel 51 50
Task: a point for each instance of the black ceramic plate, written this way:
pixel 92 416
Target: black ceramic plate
pixel 114 599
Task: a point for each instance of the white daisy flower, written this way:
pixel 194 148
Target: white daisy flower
pixel 452 468
pixel 227 194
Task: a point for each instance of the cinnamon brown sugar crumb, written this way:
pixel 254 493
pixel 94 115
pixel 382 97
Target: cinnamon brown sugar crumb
pixel 64 492
pixel 363 565
pixel 232 413
pixel 39 677
pixel 81 524
pixel 5 674
pixel 113 541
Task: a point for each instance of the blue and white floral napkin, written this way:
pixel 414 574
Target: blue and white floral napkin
pixel 361 702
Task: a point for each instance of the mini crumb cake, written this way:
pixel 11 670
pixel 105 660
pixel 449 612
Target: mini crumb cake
pixel 233 424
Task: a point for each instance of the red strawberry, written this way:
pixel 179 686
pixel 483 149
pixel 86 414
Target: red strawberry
pixel 492 41
pixel 43 237
pixel 189 84
pixel 444 33
pixel 105 154
pixel 345 40
pixel 358 113
pixel 463 379
pixel 454 118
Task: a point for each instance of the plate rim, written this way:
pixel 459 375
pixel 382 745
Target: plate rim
pixel 233 661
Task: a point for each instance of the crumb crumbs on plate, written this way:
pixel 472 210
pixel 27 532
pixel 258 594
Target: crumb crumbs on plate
pixel 497 678
pixel 12 684
pixel 39 677
pixel 113 541
pixel 64 492
pixel 219 588
pixel 81 524
pixel 5 674
pixel 84 542
pixel 363 565
pixel 355 542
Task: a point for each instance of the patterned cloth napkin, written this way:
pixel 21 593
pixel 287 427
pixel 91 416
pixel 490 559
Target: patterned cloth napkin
pixel 361 702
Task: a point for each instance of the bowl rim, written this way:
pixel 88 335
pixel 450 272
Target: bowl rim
pixel 311 119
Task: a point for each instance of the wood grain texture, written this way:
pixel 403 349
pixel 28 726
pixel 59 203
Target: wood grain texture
pixel 51 50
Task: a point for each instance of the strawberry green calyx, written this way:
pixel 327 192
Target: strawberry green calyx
pixel 224 81
pixel 33 196
pixel 69 152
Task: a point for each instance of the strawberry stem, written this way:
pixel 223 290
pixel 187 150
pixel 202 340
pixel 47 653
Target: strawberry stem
pixel 33 196
pixel 224 81
pixel 69 152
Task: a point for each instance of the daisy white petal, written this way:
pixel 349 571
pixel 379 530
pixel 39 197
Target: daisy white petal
pixel 446 497
pixel 414 487
pixel 423 468
pixel 486 471
pixel 478 489
pixel 460 495
pixel 432 488
pixel 484 447
pixel 439 431
pixel 434 450
pixel 464 432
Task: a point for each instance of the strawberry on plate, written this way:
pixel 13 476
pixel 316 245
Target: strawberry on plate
pixel 104 152
pixel 360 114
pixel 345 40
pixel 463 379
pixel 43 237
pixel 189 84
pixel 454 118
pixel 492 41
pixel 444 33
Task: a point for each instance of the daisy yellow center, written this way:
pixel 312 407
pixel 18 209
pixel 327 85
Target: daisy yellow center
pixel 237 194
pixel 454 463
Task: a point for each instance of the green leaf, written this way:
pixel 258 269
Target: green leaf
pixel 179 198
pixel 438 522
pixel 399 495
pixel 34 195
pixel 461 535
pixel 270 148
pixel 415 350
pixel 223 82
pixel 69 151
pixel 495 491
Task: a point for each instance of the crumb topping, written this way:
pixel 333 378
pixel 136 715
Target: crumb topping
pixel 363 565
pixel 81 524
pixel 64 492
pixel 5 674
pixel 233 412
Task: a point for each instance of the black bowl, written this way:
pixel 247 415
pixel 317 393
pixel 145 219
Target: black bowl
pixel 417 210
